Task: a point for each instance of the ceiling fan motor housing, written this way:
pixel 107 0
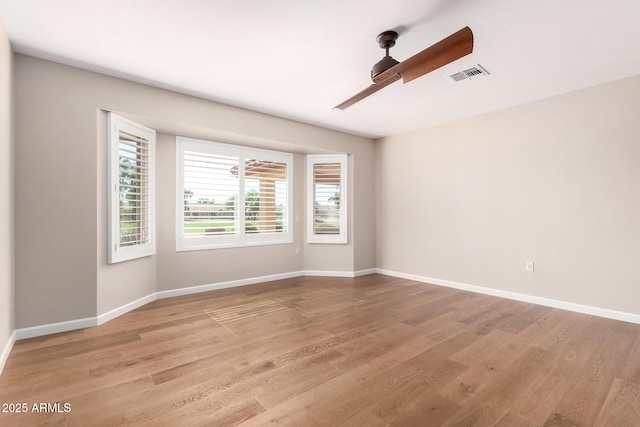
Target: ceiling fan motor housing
pixel 383 65
pixel 386 40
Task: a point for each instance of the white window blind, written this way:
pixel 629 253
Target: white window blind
pixel 327 199
pixel 210 194
pixel 231 195
pixel 266 196
pixel 131 190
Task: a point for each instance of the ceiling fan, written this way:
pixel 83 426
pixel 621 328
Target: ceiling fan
pixel 388 70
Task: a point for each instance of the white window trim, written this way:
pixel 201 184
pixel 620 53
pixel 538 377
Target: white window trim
pixel 241 239
pixel 116 253
pixel 340 238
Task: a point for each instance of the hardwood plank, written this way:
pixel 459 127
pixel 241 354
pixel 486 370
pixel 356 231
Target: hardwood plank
pixel 418 393
pixel 319 351
pixel 152 357
pixel 482 312
pixel 622 406
pixel 212 413
pixel 481 372
pixel 583 401
pixel 34 419
pixel 70 349
pixel 167 398
pixel 298 378
pixel 559 420
pixel 340 408
pixel 536 403
pixel 238 353
pixel 489 404
pixel 488 361
pixel 364 419
pixel 631 369
pixel 297 408
pixel 577 351
pixel 486 344
pixel 511 419
pixel 110 398
pixel 432 410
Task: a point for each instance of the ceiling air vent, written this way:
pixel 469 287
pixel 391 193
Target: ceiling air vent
pixel 470 73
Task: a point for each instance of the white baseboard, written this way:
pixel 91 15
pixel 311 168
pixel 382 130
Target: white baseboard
pixel 70 325
pixel 261 279
pixel 364 272
pixel 328 273
pixel 119 311
pixel 564 305
pixel 6 350
pixel 54 328
pixel 225 285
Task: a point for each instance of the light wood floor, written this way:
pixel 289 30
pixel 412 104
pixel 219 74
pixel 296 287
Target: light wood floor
pixel 370 351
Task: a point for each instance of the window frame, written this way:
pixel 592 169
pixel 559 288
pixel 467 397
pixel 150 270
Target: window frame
pixel 116 252
pixel 342 236
pixel 242 238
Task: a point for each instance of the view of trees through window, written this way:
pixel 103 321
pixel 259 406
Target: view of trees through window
pixel 326 198
pixel 212 185
pixel 133 193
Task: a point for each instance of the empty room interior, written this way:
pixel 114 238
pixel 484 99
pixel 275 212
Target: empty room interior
pixel 356 213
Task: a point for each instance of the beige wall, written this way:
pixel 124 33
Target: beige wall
pixel 364 214
pixel 554 181
pixel 6 194
pixel 61 266
pixel 56 206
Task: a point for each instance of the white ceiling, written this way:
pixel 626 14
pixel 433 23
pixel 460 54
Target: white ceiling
pixel 298 59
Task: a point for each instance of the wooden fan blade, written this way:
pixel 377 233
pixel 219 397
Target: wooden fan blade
pixel 447 50
pixel 368 91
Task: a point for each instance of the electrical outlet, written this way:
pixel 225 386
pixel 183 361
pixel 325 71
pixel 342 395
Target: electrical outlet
pixel 297 251
pixel 529 266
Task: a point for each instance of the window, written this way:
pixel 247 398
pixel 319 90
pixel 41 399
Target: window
pixel 231 195
pixel 131 184
pixel 327 198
